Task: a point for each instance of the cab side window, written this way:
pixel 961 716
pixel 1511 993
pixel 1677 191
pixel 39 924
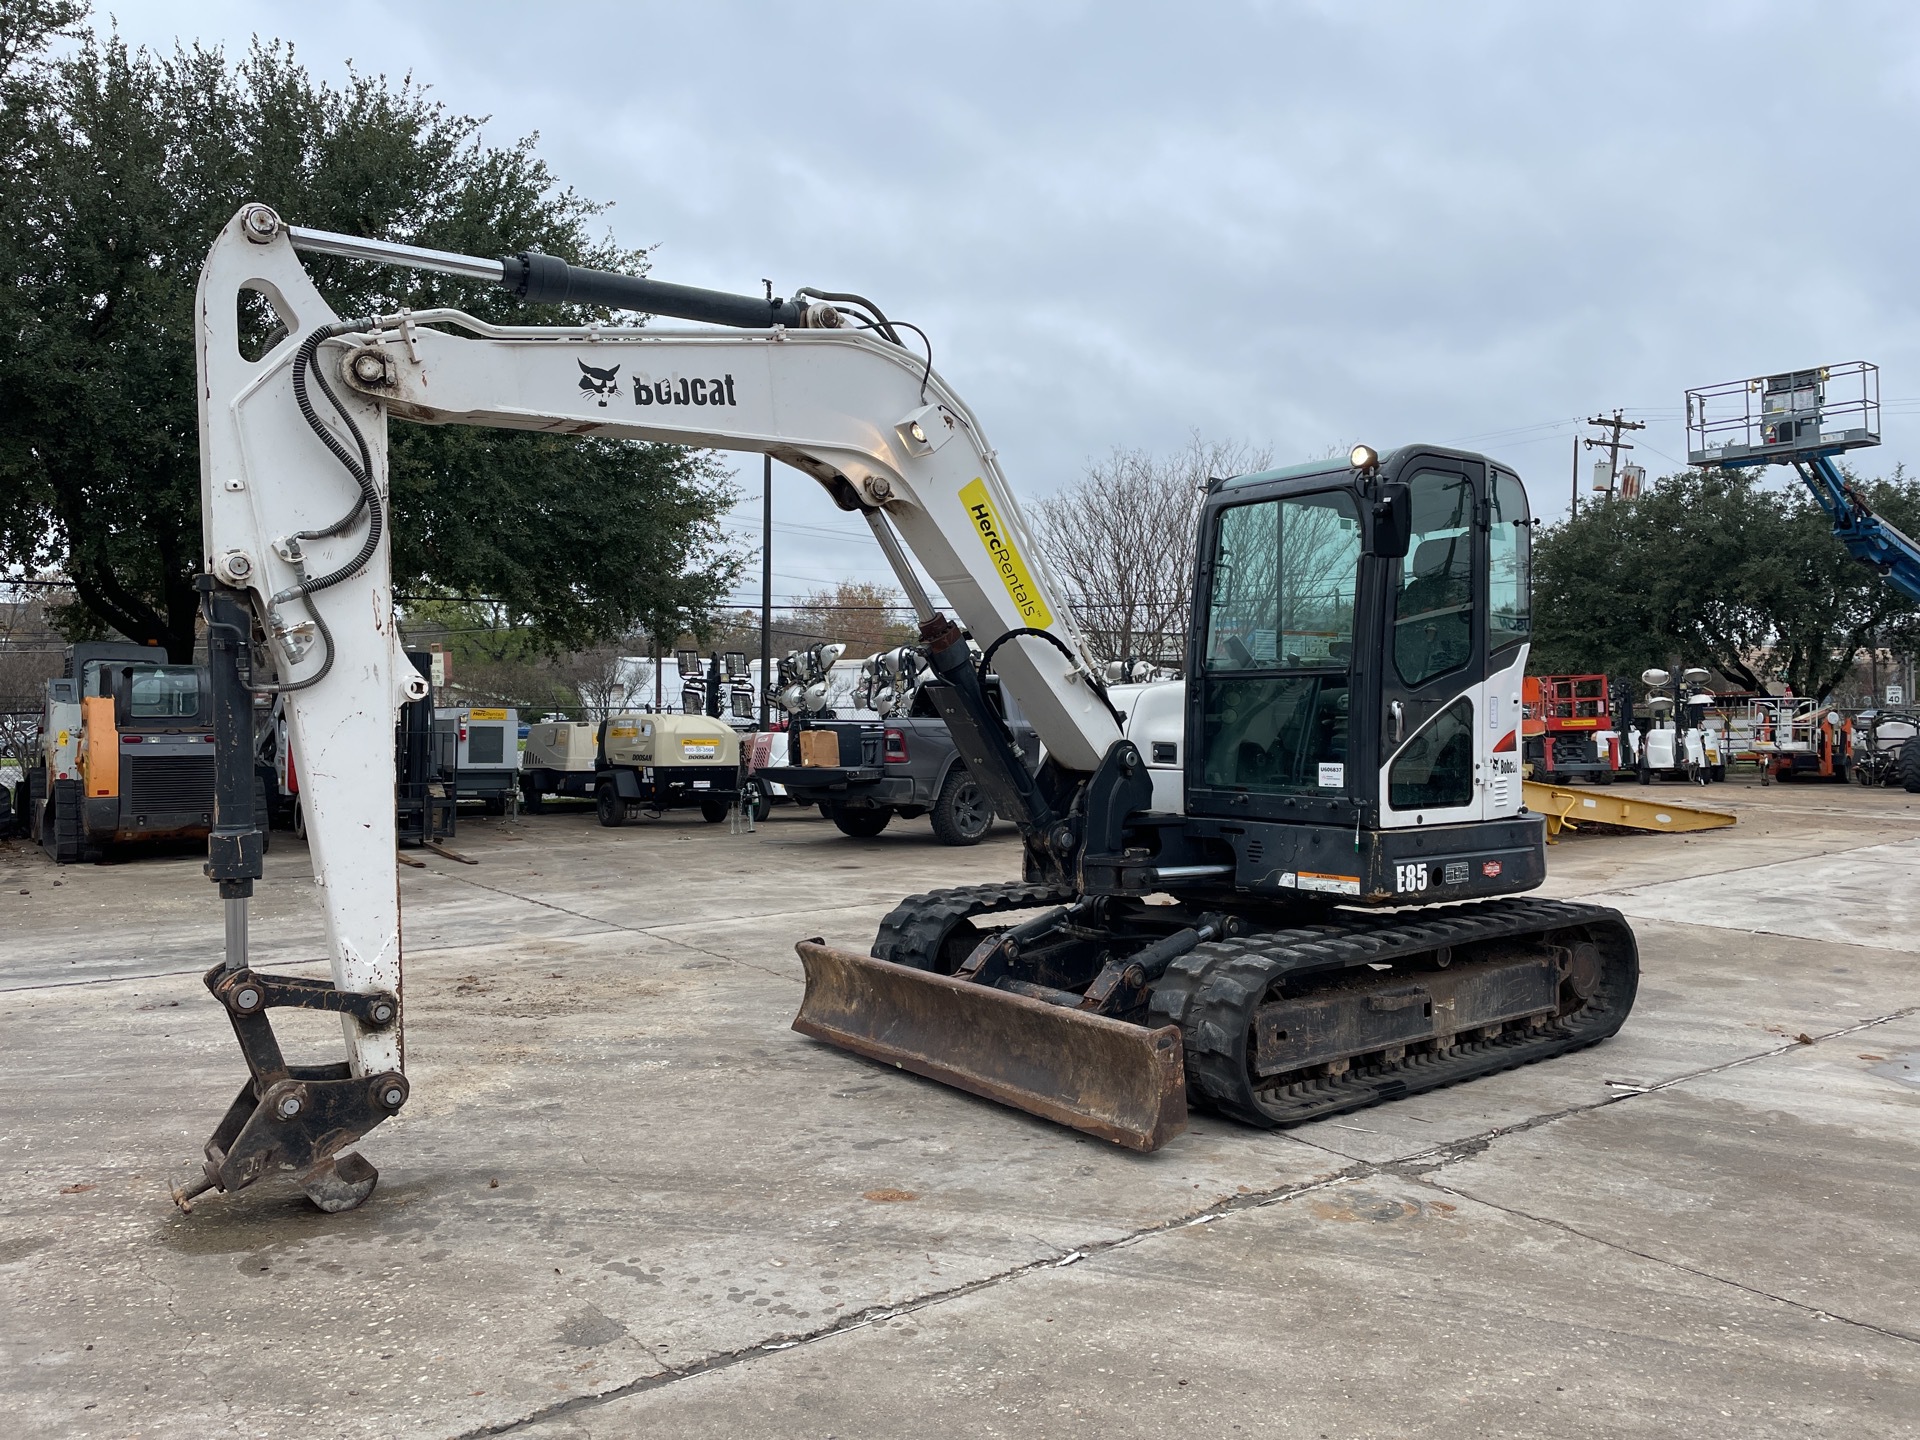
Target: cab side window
pixel 1434 770
pixel 1509 564
pixel 1433 612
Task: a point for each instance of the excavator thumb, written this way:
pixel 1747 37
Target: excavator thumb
pixel 1122 1082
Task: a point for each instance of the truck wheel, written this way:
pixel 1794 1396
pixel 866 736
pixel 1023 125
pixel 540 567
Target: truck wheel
pixel 1604 775
pixel 714 811
pixel 1646 771
pixel 962 814
pixel 861 824
pixel 756 800
pixel 1909 769
pixel 531 800
pixel 608 805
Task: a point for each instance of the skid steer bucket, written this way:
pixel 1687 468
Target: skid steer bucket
pixel 1124 1083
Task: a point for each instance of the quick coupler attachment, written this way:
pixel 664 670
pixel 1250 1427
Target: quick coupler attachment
pixel 296 1118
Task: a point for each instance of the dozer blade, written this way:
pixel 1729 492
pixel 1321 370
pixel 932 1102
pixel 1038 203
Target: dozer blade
pixel 1121 1082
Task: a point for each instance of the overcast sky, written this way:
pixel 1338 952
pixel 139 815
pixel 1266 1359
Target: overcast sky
pixel 1294 225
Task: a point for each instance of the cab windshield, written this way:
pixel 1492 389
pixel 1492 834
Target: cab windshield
pixel 163 692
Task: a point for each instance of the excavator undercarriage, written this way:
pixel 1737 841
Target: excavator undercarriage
pixel 1109 1015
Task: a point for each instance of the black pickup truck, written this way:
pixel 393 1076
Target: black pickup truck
pixel 908 766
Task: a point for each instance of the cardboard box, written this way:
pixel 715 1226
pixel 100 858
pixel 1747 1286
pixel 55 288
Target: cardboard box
pixel 819 747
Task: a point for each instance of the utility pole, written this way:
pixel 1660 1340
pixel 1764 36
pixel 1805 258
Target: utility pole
pixel 1612 445
pixel 1576 477
pixel 766 591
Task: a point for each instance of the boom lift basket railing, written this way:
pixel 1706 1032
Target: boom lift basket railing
pixel 1777 419
pixel 1804 418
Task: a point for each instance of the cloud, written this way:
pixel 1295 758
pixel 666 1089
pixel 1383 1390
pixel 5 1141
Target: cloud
pixel 1291 224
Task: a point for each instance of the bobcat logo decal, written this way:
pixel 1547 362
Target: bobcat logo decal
pixel 599 382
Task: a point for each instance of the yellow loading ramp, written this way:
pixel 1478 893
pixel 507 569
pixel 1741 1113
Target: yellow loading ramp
pixel 1570 807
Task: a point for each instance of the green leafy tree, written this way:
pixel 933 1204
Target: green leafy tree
pixel 121 167
pixel 1714 568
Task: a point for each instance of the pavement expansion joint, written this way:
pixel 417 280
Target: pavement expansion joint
pixel 874 1314
pixel 1814 1311
pixel 1424 1162
pixel 614 926
pixel 1731 870
pixel 1417 1168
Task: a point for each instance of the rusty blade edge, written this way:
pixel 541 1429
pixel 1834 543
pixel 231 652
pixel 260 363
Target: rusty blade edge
pixel 1018 1098
pixel 1164 1063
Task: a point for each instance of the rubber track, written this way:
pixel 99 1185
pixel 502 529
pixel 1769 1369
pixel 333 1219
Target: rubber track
pixel 915 929
pixel 1213 991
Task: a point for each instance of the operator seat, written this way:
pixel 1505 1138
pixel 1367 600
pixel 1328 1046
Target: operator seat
pixel 1433 621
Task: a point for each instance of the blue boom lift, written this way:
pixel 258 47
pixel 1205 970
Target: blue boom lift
pixel 1804 418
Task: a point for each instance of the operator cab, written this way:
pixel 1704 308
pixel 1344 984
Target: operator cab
pixel 1358 640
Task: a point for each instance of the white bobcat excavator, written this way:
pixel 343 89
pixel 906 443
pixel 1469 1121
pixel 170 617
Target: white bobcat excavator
pixel 1351 744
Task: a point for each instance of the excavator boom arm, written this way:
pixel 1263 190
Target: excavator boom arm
pixel 294 492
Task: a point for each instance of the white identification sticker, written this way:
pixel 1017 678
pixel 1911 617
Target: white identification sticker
pixel 1332 777
pixel 1327 884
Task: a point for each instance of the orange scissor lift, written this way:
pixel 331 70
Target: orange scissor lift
pixel 1567 729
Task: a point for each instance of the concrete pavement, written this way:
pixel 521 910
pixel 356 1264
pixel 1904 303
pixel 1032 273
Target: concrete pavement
pixel 626 1199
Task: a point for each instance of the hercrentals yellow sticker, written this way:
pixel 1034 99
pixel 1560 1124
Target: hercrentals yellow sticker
pixel 1006 559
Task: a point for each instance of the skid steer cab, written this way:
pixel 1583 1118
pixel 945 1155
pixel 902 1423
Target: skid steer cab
pixel 126 753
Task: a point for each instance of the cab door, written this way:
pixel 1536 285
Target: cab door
pixel 1435 707
pixel 1509 631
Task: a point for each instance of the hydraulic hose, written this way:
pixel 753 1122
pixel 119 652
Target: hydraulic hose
pixel 847 297
pixel 986 663
pixel 362 471
pixel 369 499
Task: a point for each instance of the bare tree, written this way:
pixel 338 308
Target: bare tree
pixel 1120 541
pixel 609 678
pixel 864 616
pixel 31 653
